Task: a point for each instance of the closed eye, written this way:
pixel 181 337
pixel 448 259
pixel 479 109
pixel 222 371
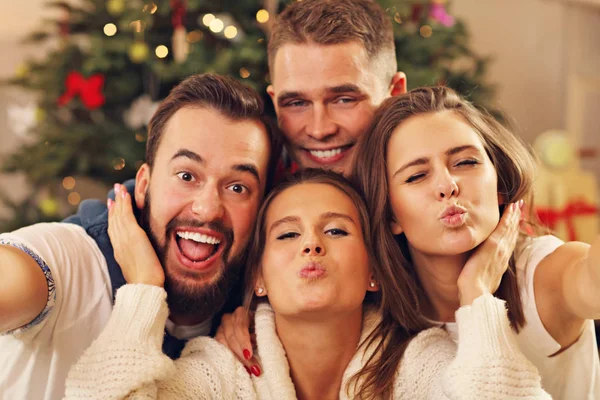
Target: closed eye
pixel 288 235
pixel 414 177
pixel 470 161
pixel 336 232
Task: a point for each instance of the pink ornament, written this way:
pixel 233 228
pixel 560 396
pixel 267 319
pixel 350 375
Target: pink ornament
pixel 438 13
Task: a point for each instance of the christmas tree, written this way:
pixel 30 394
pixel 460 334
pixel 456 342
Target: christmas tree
pixel 116 59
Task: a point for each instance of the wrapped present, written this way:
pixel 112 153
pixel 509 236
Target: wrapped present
pixel 566 197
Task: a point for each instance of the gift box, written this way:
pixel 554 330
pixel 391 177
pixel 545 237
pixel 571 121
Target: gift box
pixel 566 197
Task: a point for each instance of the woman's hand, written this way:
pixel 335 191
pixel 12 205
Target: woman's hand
pixel 484 269
pixel 131 245
pixel 234 333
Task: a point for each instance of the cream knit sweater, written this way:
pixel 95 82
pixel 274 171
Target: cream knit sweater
pixel 126 361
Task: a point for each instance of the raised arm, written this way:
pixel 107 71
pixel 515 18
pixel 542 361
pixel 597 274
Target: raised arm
pixel 23 288
pixel 567 283
pixel 488 362
pixel 129 350
pixel 486 365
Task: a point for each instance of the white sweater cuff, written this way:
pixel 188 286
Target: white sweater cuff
pixel 139 314
pixel 484 326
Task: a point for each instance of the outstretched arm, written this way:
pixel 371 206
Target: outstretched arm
pixel 567 283
pixel 23 288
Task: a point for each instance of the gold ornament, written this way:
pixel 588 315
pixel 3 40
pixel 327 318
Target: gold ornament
pixel 138 52
pixel 22 71
pixel 115 7
pixel 555 149
pixel 180 45
pixel 40 114
pixel 48 207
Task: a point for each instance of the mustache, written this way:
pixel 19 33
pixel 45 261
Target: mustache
pixel 216 226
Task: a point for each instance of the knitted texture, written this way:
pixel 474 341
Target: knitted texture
pixel 487 363
pixel 126 361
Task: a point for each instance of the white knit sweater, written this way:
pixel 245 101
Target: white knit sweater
pixel 126 361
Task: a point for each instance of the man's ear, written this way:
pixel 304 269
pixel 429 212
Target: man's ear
pixel 398 84
pixel 271 93
pixel 142 180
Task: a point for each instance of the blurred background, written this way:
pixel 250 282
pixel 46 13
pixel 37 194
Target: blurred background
pixel 80 80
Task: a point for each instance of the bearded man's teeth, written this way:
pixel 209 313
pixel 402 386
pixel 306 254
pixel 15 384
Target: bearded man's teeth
pixel 326 153
pixel 198 237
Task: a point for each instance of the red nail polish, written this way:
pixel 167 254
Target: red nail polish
pixel 247 354
pixel 255 370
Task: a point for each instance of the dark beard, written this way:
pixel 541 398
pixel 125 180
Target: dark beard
pixel 185 298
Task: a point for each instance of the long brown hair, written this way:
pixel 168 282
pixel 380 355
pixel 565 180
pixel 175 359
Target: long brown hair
pixel 396 299
pixel 513 160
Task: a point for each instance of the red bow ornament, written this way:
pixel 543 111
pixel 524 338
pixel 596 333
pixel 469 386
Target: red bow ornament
pixel 550 216
pixel 89 90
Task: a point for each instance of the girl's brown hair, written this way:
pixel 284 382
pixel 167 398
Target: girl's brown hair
pixel 513 160
pixel 396 299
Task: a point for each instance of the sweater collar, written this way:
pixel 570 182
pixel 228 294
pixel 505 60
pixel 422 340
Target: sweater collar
pixel 276 382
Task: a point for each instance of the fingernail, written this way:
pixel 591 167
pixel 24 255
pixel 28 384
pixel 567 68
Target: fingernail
pixel 247 354
pixel 123 193
pixel 116 188
pixel 109 203
pixel 248 370
pixel 521 203
pixel 255 370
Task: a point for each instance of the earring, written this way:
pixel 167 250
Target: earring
pixel 260 290
pixel 372 284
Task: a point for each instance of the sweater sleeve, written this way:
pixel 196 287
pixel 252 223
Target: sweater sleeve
pixel 126 361
pixel 127 355
pixel 487 363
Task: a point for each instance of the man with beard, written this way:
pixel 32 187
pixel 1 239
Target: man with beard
pixel 209 160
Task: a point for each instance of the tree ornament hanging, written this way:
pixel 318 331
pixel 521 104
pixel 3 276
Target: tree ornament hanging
pixel 438 13
pixel 416 12
pixel 179 42
pixel 89 90
pixel 115 7
pixel 48 206
pixel 63 25
pixel 139 52
pixel 22 118
pixel 140 112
